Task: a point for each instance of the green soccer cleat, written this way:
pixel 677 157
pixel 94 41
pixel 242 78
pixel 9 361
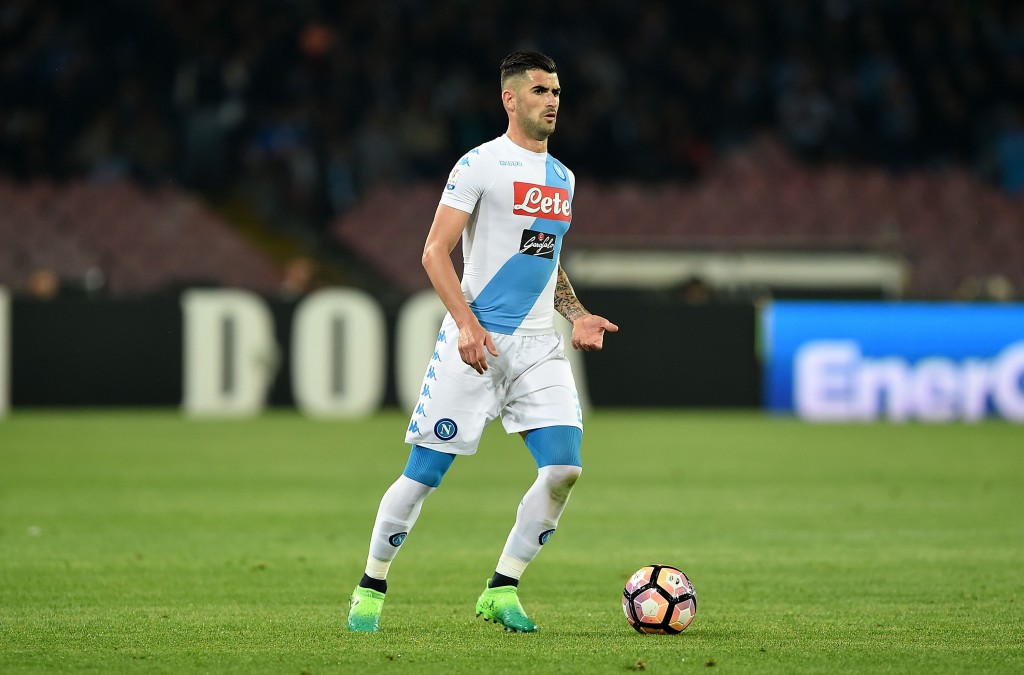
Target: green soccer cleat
pixel 364 610
pixel 501 605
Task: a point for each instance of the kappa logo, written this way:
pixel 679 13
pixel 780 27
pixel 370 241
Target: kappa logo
pixel 445 429
pixel 538 244
pixel 541 201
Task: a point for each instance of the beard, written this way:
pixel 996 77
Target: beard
pixel 538 129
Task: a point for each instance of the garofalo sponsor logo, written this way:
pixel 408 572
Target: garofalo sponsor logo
pixel 539 244
pixel 541 201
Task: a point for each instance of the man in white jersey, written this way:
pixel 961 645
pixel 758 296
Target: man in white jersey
pixel 498 352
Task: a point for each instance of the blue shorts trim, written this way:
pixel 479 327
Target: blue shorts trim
pixel 555 445
pixel 427 466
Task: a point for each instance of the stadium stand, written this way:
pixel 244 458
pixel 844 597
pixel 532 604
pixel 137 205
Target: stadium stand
pixel 121 239
pixel 946 226
pixel 902 124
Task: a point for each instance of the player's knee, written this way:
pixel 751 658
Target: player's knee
pixel 563 474
pixel 560 479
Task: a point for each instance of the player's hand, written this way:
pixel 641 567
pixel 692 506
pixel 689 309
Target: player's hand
pixel 474 343
pixel 588 332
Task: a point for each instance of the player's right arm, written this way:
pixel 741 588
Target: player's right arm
pixel 445 232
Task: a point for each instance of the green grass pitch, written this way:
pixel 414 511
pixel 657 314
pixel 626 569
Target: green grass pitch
pixel 145 542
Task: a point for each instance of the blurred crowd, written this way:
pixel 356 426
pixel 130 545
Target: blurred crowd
pixel 305 104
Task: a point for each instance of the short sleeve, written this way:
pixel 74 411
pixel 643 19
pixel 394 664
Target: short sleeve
pixel 468 181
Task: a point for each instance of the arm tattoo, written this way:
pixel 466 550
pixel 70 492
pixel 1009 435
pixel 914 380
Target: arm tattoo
pixel 566 302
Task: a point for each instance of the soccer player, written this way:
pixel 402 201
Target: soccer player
pixel 498 352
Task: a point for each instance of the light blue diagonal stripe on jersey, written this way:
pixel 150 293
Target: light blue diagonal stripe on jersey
pixel 513 291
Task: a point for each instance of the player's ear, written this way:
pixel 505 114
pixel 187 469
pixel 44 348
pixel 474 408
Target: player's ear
pixel 508 99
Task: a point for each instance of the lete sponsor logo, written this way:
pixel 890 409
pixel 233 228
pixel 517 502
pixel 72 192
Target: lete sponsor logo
pixel 541 201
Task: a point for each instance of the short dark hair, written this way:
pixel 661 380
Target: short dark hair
pixel 517 63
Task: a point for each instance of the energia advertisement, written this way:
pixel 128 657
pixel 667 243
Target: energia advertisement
pixel 897 361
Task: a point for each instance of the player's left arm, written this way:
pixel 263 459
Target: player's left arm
pixel 587 329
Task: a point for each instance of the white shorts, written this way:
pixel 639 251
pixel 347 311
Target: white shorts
pixel 530 384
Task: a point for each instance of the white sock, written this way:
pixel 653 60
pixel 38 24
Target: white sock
pixel 537 517
pixel 398 511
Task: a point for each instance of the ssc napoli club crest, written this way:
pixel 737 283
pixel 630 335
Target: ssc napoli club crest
pixel 445 429
pixel 543 538
pixel 397 539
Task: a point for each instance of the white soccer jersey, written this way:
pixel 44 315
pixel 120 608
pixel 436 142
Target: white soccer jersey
pixel 521 206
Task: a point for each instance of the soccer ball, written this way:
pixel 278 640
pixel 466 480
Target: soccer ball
pixel 659 599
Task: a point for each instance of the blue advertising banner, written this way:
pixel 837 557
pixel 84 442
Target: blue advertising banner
pixel 858 361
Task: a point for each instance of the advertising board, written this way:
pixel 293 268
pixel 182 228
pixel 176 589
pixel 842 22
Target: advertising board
pixel 862 361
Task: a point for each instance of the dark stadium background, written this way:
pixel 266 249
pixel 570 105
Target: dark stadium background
pixel 148 147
